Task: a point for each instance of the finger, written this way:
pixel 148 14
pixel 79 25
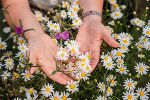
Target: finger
pixel 94 59
pixel 58 76
pixel 70 75
pixel 108 38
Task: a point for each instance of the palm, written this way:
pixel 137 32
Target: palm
pixel 90 37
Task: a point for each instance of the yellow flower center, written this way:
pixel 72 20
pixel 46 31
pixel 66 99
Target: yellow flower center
pixel 106 58
pixel 22 48
pixel 65 3
pixel 76 21
pixel 31 91
pixel 72 86
pixel 72 14
pixel 73 50
pixel 123 47
pixel 89 56
pixel 129 96
pixel 83 59
pixel 5 75
pixel 129 84
pixel 56 98
pixel 119 53
pixel 64 97
pixel 1 45
pixel 15 74
pixel 138 21
pixel 102 86
pixel 147 32
pixel 39 17
pixel 125 41
pixel 47 89
pixel 82 65
pixel 141 69
pixel 121 69
pixel 64 13
pixel 139 46
pixel 21 41
pixel 83 74
pixel 9 60
pixel 112 81
pixel 75 9
pixel 141 93
pixel 120 61
pixel 116 36
pixel 109 64
pixel 117 14
pixel 87 67
pixel 21 56
pixel 27 75
pixel 108 90
pixel 115 5
pixel 55 26
pixel 111 55
pixel 62 55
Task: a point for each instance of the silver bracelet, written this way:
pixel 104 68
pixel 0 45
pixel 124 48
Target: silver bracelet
pixel 91 12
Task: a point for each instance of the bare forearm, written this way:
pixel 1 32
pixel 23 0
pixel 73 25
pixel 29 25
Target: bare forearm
pixel 19 9
pixel 91 5
pixel 88 5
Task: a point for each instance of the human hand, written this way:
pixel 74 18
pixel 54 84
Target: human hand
pixel 90 36
pixel 42 51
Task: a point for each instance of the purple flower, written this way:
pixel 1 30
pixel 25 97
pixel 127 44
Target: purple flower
pixel 19 30
pixel 58 35
pixel 64 35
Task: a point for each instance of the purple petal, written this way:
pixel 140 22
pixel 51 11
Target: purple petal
pixel 19 30
pixel 65 35
pixel 58 35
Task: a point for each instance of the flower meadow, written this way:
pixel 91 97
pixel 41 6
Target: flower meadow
pixel 121 74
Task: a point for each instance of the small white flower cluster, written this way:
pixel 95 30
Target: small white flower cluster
pixel 118 55
pixel 137 22
pixel 115 9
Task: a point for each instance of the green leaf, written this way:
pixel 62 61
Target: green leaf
pixel 54 72
pixel 27 30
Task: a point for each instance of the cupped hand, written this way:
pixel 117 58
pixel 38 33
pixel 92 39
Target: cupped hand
pixel 90 36
pixel 42 51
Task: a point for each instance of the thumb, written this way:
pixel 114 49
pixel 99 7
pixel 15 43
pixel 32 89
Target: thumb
pixel 108 38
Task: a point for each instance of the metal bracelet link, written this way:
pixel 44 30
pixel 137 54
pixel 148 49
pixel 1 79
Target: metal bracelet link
pixel 92 12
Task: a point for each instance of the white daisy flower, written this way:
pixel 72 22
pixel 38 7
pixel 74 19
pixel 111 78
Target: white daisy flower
pixel 73 48
pixel 129 84
pixel 109 91
pixel 87 68
pixel 146 31
pixel 50 25
pixel 148 87
pixel 21 55
pixel 147 45
pixel 74 8
pixel 22 89
pixel 123 7
pixel 118 53
pixel 101 98
pixel 3 45
pixel 31 94
pixel 26 76
pixel 141 68
pixel 142 93
pixel 110 77
pixel 77 22
pixel 129 95
pixel 65 95
pixel 112 1
pixel 23 48
pixel 72 14
pixel 72 86
pixel 55 96
pixel 112 23
pixel 81 65
pixel 82 75
pixel 120 61
pixel 9 66
pixel 47 90
pixel 9 61
pixel 125 41
pixel 141 56
pixel 4 20
pixel 109 65
pixel 63 14
pixel 62 54
pixel 101 86
pixel 116 15
pixel 8 53
pixel 84 58
pixel 65 4
pixel 21 40
pixel 124 48
pixel 6 29
pixel 113 82
pixel 106 58
pixel 56 27
pixel 122 69
pixel 39 17
pixel 39 13
pixel 5 75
